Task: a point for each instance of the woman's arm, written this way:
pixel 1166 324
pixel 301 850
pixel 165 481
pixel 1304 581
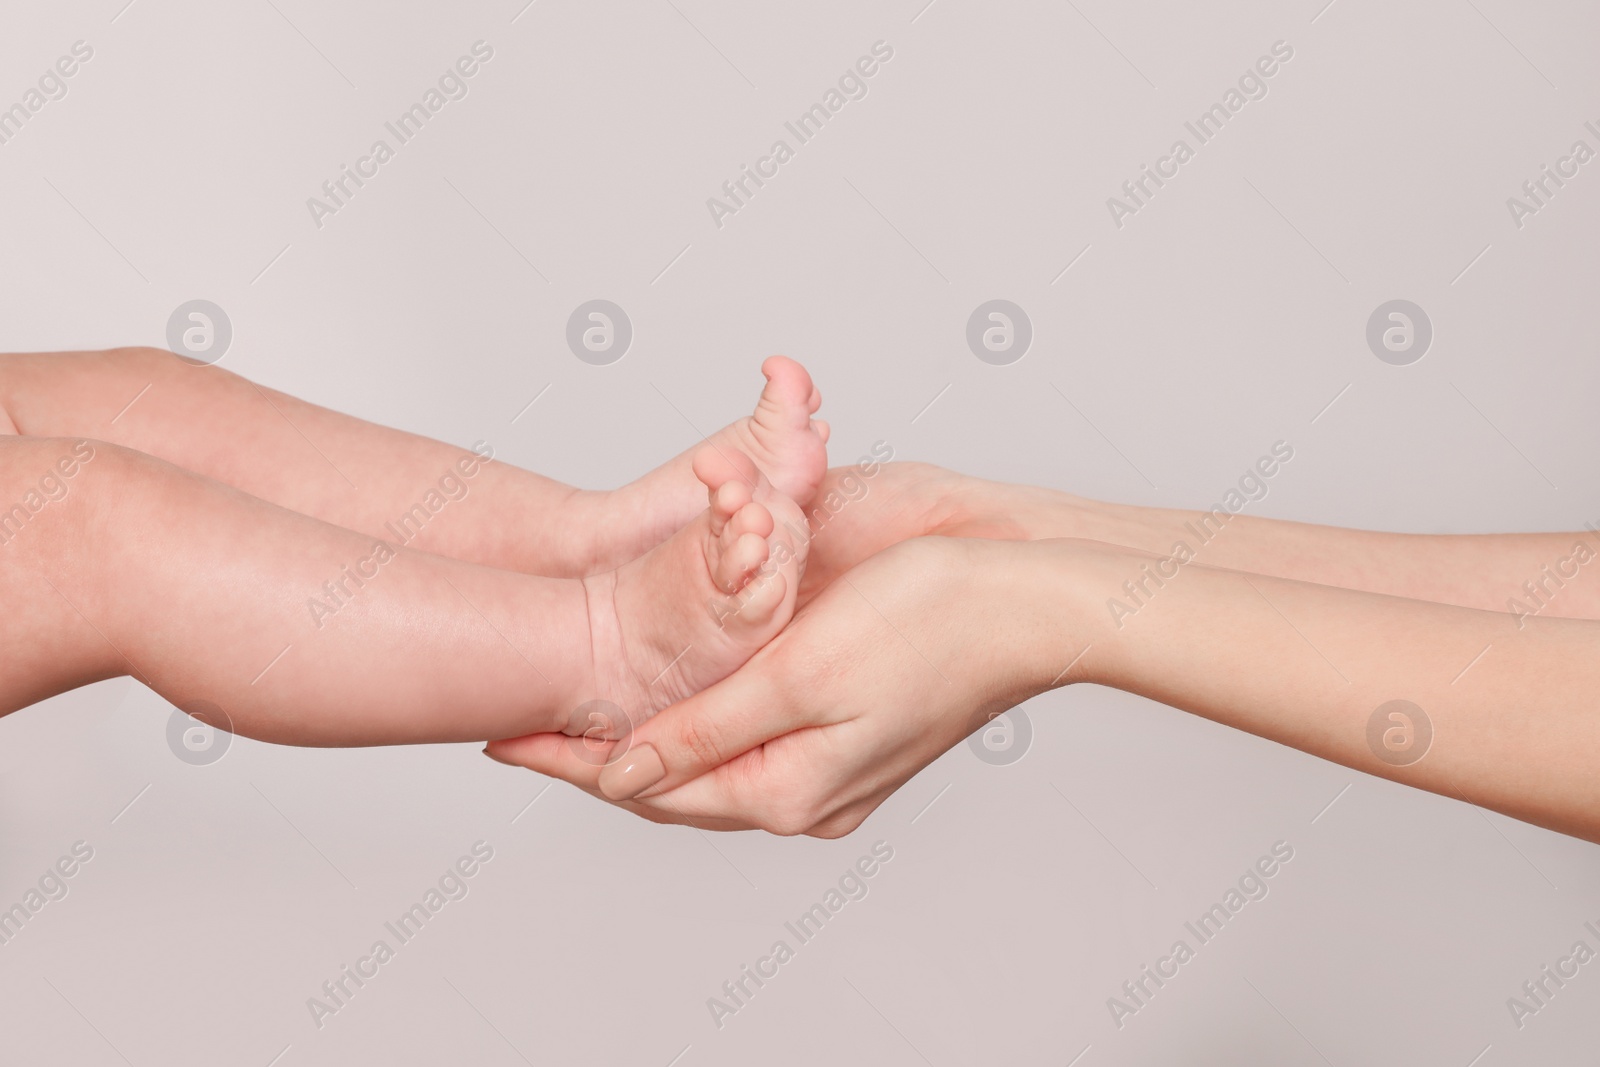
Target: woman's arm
pixel 1523 574
pixel 917 646
pixel 1511 712
pixel 1553 575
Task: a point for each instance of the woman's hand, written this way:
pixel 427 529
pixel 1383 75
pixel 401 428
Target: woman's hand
pixel 863 509
pixel 900 657
pixel 889 666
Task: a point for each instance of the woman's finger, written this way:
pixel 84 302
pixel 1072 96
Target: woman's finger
pixel 788 785
pixel 555 756
pixel 707 730
pixel 577 760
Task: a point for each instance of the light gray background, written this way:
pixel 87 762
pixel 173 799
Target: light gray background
pixel 1228 314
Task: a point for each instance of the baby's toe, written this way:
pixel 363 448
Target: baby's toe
pixel 738 560
pixel 761 600
pixel 727 500
pixel 752 518
pixel 716 466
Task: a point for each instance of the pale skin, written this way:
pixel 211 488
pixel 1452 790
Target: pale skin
pixel 359 475
pixel 199 579
pixel 1292 632
pixel 186 539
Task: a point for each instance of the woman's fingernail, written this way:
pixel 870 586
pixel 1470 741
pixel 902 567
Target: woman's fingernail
pixel 497 759
pixel 635 772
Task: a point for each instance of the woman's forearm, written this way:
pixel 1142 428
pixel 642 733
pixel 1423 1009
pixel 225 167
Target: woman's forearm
pixel 1510 711
pixel 1528 575
pixel 921 643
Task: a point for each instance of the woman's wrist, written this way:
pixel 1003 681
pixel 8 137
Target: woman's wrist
pixel 1043 609
pixel 1086 592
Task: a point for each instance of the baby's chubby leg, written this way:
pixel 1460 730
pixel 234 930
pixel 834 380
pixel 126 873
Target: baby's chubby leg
pixel 387 483
pixel 299 632
pixel 383 482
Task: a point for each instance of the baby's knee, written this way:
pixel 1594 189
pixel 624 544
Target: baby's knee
pixel 38 475
pixel 66 503
pixel 41 392
pixel 53 476
pixel 137 361
pixel 140 362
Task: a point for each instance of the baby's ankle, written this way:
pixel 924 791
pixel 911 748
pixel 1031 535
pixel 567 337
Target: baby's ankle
pixel 598 681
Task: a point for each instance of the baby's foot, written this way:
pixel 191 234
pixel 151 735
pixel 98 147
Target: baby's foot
pixel 788 446
pixel 693 609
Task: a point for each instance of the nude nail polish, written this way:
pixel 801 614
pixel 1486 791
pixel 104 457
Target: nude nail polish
pixel 635 772
pixel 497 759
